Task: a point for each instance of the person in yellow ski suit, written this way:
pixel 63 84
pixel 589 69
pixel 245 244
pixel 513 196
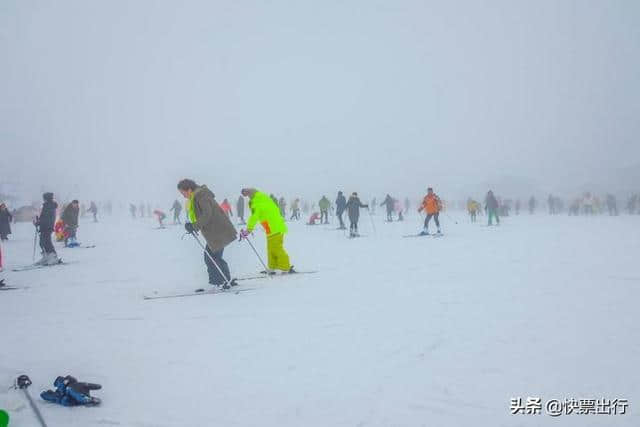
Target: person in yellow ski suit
pixel 267 213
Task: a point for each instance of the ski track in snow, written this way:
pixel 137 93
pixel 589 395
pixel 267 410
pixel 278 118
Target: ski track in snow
pixel 390 332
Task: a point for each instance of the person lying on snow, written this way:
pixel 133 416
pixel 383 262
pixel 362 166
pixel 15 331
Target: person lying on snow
pixel 70 392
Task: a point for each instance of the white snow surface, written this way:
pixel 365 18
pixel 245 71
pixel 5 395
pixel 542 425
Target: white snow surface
pixel 391 331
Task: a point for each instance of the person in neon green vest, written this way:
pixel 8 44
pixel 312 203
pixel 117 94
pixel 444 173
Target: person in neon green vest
pixel 267 213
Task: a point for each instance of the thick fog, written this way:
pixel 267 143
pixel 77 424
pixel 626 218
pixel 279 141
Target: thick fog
pixel 121 99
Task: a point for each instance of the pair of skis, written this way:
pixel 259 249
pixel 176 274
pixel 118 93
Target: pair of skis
pixel 235 291
pixel 435 235
pixel 38 266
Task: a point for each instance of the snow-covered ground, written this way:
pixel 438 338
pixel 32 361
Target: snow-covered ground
pixel 390 332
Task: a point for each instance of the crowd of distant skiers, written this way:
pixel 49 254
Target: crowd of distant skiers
pixel 213 221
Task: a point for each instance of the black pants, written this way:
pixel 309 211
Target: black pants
pixel 435 218
pixel 325 215
pixel 340 219
pixel 215 278
pixel 389 215
pixel 353 227
pixel 45 242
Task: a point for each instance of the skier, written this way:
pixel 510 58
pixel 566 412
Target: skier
pixel 398 208
pixel 587 204
pixel 205 215
pixel 295 210
pixel 518 207
pixel 407 205
pixel 473 207
pixel 160 216
pixel 313 218
pixel 282 204
pixel 266 212
pixel 532 205
pixel 93 209
pixel 132 210
pixel 389 203
pixel 323 204
pixel 45 223
pixel 341 205
pixel 70 219
pixel 432 205
pixel 240 209
pixel 612 205
pixel 177 210
pixel 491 206
pixel 226 207
pixel 5 222
pixel 353 210
pixel 2 282
pixel 374 203
pixel 70 392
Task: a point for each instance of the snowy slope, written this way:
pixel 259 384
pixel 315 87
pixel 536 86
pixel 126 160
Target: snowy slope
pixel 390 332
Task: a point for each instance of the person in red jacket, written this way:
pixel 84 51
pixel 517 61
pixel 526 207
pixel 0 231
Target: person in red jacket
pixel 431 204
pixel 226 207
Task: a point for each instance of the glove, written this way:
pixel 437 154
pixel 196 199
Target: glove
pixel 244 234
pixel 190 228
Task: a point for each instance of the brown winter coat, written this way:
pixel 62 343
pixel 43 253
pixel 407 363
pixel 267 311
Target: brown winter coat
pixel 211 220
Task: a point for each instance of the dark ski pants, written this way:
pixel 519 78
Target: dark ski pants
pixel 340 219
pixel 325 215
pixel 215 278
pixel 176 218
pixel 389 215
pixel 45 242
pixel 435 219
pixel 353 226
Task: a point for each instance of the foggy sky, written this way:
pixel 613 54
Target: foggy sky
pixel 123 98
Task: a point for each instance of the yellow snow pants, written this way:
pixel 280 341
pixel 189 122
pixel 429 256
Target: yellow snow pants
pixel 278 257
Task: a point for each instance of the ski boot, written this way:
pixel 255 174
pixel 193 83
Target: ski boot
pixel 52 259
pixel 424 233
pixel 41 261
pixel 291 270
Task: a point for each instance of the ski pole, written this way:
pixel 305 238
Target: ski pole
pixel 257 254
pixel 35 238
pixel 226 281
pixel 23 382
